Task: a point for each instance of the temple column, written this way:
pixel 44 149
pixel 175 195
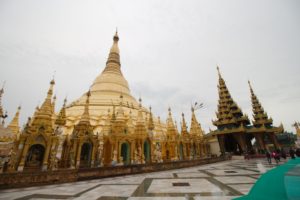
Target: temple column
pixel 221 139
pixel 78 154
pixel 23 156
pixel 260 141
pixel 46 156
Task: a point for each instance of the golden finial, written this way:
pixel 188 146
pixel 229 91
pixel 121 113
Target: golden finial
pixel 219 73
pixel 2 89
pixel 140 102
pixel 251 90
pixel 52 82
pixel 116 36
pixel 65 102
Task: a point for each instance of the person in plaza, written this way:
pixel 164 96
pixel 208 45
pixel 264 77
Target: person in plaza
pixel 278 155
pixel 292 153
pixel 283 154
pixel 275 156
pixel 268 155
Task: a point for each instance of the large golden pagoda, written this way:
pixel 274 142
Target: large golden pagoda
pixel 104 127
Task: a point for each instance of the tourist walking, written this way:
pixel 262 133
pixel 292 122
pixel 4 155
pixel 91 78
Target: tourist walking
pixel 283 154
pixel 292 153
pixel 275 156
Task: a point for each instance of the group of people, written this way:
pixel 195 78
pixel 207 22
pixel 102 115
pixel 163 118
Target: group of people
pixel 277 154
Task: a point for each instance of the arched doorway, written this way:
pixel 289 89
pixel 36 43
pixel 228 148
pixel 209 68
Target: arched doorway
pixel 35 156
pixel 147 151
pixel 107 153
pixel 86 155
pixel 231 145
pixel 181 151
pixel 125 153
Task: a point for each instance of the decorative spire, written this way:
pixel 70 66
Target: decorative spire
pixel 183 126
pixel 260 116
pixel 53 104
pixel 140 127
pixel 140 117
pixel 3 114
pixel 14 124
pixel 1 94
pixel 196 129
pixel 170 124
pixel 85 118
pixel 43 116
pixel 150 122
pixel 113 116
pixel 219 73
pixel 229 114
pixel 113 62
pixel 120 112
pixel 61 118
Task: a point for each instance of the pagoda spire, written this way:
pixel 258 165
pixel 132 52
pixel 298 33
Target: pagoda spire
pixel 113 63
pixel 120 111
pixel 1 108
pixel 44 114
pixel 228 114
pixel 170 123
pixel 196 129
pixel 14 124
pixel 140 118
pixel 171 131
pixel 85 117
pixel 260 116
pixel 61 118
pixel 150 122
pixel 183 126
pixel 140 126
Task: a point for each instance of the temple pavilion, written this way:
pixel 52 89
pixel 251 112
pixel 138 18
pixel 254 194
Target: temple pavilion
pixel 234 132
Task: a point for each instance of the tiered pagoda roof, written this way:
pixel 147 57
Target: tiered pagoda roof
pixel 229 114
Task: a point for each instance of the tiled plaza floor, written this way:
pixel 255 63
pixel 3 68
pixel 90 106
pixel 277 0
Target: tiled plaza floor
pixel 222 181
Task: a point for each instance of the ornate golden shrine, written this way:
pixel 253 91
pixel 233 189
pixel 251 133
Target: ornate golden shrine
pixel 106 126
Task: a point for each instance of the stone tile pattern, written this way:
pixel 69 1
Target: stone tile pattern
pixel 222 181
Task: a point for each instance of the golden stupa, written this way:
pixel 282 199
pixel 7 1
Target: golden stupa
pixel 106 91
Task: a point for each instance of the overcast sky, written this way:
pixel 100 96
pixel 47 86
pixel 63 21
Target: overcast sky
pixel 169 52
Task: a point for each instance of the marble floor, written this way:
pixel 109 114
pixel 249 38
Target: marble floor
pixel 222 181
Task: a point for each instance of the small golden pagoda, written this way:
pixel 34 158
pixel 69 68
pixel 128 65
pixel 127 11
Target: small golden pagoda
pixel 169 146
pixel 7 134
pixel 196 137
pixel 38 141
